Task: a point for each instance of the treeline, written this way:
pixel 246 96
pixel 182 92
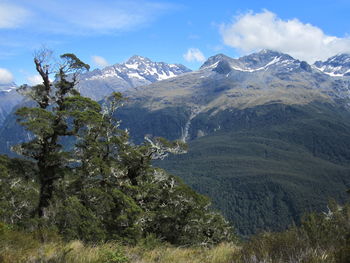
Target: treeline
pixel 83 179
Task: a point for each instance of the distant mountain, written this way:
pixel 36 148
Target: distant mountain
pixel 336 66
pixel 262 61
pixel 9 98
pixel 223 82
pixel 137 71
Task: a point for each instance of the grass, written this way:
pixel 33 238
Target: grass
pixel 220 254
pixel 289 246
pixel 57 252
pixel 21 247
pixel 17 246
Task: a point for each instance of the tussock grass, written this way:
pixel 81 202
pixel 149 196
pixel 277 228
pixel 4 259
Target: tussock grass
pixel 223 253
pixel 77 252
pixel 26 247
pixel 72 252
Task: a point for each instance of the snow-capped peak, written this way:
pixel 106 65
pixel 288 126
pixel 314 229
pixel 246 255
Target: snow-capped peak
pixel 336 66
pixel 138 67
pixel 136 71
pixel 143 68
pixel 213 61
pixel 138 59
pixel 262 60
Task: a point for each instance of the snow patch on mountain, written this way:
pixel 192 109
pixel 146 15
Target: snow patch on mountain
pixel 336 66
pixel 272 62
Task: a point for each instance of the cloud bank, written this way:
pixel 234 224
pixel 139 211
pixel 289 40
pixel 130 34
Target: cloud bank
pixel 6 76
pixel 194 55
pixel 254 31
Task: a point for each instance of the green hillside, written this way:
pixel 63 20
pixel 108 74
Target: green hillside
pixel 270 164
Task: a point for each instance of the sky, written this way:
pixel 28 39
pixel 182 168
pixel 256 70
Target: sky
pixel 105 32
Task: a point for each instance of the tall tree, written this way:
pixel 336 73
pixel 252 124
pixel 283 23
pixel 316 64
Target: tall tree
pixel 48 121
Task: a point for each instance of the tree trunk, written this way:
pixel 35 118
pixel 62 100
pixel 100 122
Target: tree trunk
pixel 47 175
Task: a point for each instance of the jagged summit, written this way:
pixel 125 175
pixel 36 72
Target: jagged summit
pixel 136 71
pixel 137 59
pixel 213 60
pixel 153 71
pixel 337 66
pixel 263 60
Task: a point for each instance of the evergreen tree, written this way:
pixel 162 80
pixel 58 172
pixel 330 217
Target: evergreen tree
pixel 48 121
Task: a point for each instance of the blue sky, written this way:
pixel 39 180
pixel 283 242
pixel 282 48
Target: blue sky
pixel 103 32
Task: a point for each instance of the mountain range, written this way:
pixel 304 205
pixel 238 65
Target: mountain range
pixel 136 71
pixel 268 135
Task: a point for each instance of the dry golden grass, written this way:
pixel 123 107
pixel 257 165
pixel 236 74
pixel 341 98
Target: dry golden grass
pixel 222 253
pixel 77 252
pixel 58 252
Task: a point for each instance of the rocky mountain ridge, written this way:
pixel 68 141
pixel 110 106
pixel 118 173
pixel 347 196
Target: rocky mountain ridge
pixel 136 71
pixel 263 60
pixel 223 82
pixel 336 66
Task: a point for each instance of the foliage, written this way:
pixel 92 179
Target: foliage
pixel 179 215
pixel 18 190
pixel 116 256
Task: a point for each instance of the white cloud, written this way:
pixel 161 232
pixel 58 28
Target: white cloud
pixel 255 31
pixel 194 54
pixel 6 76
pixel 100 61
pixel 34 80
pixel 12 16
